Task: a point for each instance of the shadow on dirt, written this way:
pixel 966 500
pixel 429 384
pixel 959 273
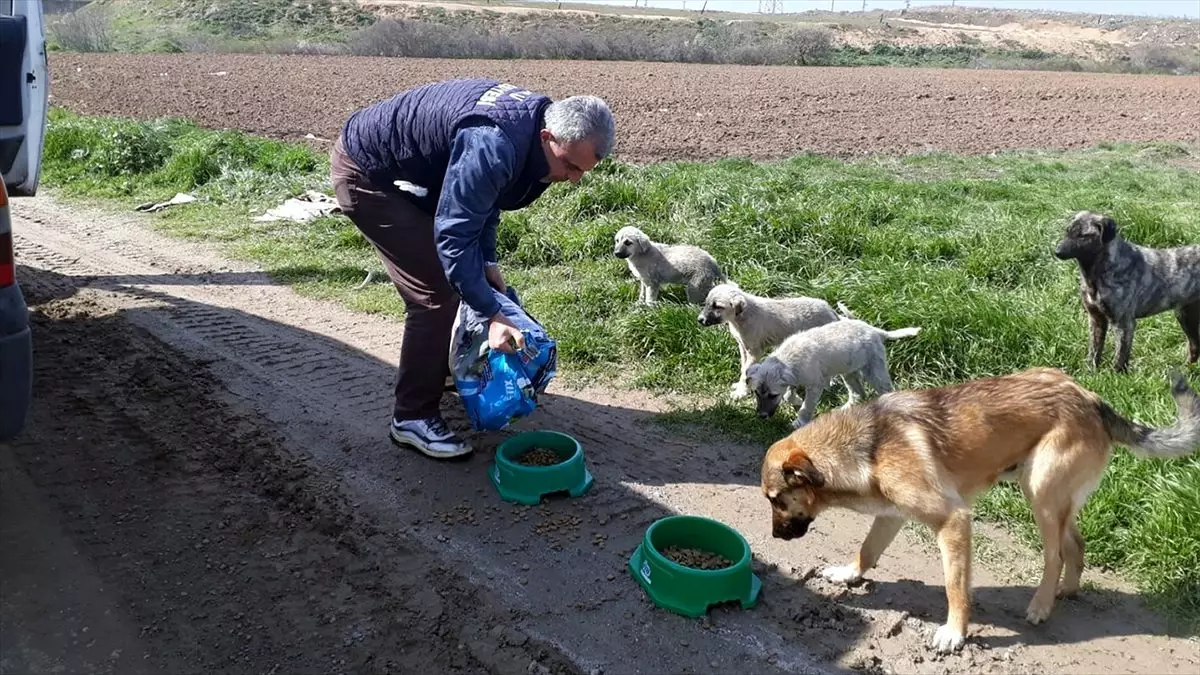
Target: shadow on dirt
pixel 1089 614
pixel 152 526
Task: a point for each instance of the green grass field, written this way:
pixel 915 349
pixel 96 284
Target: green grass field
pixel 960 246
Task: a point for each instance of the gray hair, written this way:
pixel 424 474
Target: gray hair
pixel 580 118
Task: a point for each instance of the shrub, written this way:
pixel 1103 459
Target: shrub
pixel 1160 58
pixel 85 30
pixel 807 46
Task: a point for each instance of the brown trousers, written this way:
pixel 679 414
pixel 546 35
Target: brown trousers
pixel 402 236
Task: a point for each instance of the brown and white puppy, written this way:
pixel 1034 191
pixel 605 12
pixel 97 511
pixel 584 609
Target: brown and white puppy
pixel 926 454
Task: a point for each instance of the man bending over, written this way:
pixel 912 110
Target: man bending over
pixel 424 175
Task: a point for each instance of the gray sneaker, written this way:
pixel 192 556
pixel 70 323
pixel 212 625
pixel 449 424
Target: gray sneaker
pixel 430 436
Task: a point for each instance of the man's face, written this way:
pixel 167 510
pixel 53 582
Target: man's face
pixel 568 161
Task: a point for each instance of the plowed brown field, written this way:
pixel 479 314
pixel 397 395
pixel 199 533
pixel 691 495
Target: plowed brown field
pixel 664 111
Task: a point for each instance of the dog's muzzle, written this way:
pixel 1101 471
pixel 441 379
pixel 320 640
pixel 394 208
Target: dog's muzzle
pixel 1063 252
pixel 791 529
pixel 706 320
pixel 620 253
pixel 767 408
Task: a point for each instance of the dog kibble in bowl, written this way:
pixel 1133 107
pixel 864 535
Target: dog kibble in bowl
pixel 695 558
pixel 538 457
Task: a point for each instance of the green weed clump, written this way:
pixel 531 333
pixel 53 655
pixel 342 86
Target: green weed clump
pixel 960 246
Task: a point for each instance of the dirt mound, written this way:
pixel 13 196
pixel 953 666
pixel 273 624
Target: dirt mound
pixel 665 111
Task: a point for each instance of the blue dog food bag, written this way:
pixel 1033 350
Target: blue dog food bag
pixel 498 388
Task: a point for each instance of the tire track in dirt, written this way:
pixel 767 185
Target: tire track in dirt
pixel 664 111
pixel 323 375
pixel 151 527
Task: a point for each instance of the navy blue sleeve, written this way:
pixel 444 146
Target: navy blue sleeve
pixel 487 241
pixel 482 163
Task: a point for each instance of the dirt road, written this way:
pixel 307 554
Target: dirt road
pixel 206 484
pixel 665 111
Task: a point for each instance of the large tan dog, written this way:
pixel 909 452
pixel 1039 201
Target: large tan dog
pixel 925 454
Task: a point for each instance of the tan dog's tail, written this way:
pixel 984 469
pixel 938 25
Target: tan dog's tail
pixel 1178 440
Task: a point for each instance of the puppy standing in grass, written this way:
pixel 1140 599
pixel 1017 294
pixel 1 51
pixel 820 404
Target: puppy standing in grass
pixel 758 323
pixel 848 347
pixel 1121 282
pixel 926 454
pixel 654 264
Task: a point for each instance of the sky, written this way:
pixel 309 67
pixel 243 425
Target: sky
pixel 1167 8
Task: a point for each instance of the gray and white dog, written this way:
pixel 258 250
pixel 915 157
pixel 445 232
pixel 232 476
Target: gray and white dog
pixel 757 322
pixel 1121 282
pixel 851 348
pixel 654 265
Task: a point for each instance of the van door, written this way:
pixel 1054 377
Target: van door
pixel 24 93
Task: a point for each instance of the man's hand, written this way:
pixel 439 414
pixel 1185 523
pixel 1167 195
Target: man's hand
pixel 492 272
pixel 502 333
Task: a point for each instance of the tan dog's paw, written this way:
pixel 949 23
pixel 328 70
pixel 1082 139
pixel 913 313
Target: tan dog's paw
pixel 738 391
pixel 1039 610
pixel 841 574
pixel 947 639
pixel 1067 590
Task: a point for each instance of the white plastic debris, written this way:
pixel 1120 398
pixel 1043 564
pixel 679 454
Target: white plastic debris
pixel 306 207
pixel 179 198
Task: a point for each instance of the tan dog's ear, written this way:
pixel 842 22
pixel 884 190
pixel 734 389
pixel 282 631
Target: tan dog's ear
pixel 798 471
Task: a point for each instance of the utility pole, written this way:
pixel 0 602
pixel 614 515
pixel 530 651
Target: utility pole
pixel 770 6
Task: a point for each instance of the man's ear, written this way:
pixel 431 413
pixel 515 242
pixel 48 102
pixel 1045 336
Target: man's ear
pixel 546 135
pixel 798 471
pixel 1108 229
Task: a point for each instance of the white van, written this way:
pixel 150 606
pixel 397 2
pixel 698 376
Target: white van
pixel 24 90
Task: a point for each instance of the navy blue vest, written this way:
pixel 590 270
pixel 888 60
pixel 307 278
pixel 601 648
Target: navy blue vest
pixel 408 136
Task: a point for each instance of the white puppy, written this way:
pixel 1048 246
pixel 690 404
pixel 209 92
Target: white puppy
pixel 757 322
pixel 654 265
pixel 849 347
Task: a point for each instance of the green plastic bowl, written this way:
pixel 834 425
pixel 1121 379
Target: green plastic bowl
pixel 529 484
pixel 687 590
